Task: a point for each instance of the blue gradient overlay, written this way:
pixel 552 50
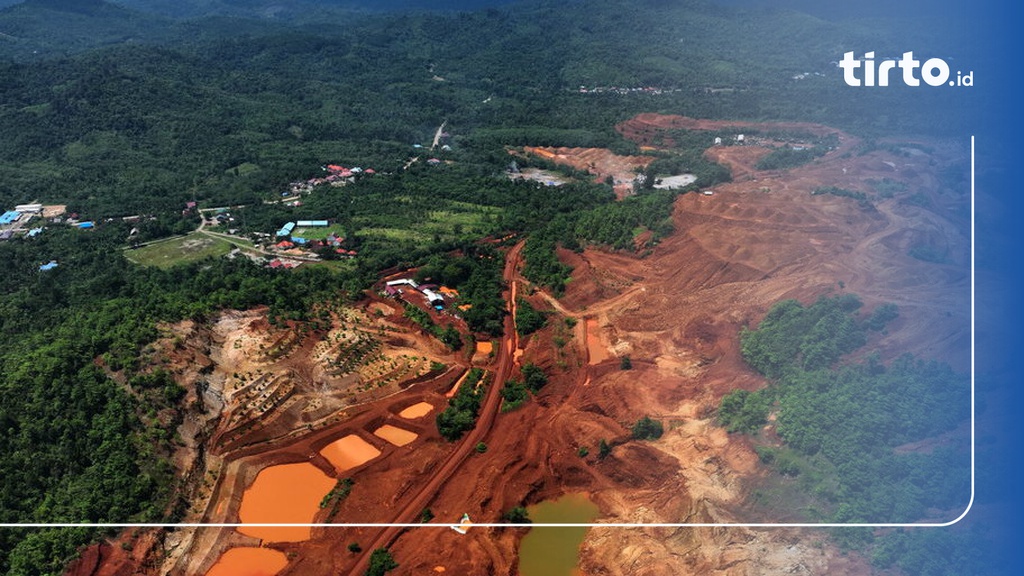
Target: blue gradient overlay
pixel 1000 279
pixel 988 41
pixel 984 36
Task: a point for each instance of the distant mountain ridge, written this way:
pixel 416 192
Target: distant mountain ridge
pixel 75 6
pixel 32 29
pixel 281 9
pixel 40 28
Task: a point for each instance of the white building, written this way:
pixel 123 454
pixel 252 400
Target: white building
pixel 29 208
pixel 403 282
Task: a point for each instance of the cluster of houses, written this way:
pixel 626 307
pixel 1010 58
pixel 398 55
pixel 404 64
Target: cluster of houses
pixel 740 140
pixel 220 217
pixel 627 90
pixel 289 242
pixel 803 75
pixel 14 221
pixel 278 263
pixel 337 175
pixel 21 213
pixel 437 296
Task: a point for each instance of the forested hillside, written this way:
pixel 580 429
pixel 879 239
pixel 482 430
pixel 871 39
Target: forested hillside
pixel 148 123
pixel 853 432
pixel 76 446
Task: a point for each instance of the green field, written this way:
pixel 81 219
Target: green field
pixel 394 234
pixel 476 219
pixel 333 265
pixel 191 248
pixel 320 233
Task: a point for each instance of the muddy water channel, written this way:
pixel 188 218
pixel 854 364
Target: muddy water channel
pixel 287 493
pixel 555 551
pixel 596 349
pixel 249 562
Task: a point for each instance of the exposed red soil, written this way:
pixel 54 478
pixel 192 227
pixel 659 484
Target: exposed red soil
pixel 677 314
pixel 598 161
pixel 648 129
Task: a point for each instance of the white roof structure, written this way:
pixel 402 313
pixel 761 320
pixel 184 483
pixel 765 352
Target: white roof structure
pixel 432 296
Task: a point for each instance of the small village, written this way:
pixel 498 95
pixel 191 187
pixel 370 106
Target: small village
pixel 28 220
pixel 650 90
pixel 301 240
pixel 294 244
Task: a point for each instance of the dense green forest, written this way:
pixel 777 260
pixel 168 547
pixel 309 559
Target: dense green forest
pixel 137 107
pixel 146 124
pixel 76 446
pixel 842 423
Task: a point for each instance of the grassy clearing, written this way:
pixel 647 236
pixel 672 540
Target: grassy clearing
pixel 476 220
pixel 333 265
pixel 473 219
pixel 244 169
pixel 319 233
pixel 469 207
pixel 191 248
pixel 394 234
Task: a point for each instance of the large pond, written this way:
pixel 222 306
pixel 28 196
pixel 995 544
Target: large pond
pixel 555 551
pixel 249 562
pixel 284 494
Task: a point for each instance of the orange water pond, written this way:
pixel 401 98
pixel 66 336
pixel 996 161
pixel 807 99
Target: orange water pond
pixel 287 493
pixel 349 452
pixel 416 411
pixel 595 347
pixel 249 562
pixel 395 435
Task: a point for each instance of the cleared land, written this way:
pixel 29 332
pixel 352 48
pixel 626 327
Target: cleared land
pixel 670 182
pixel 677 313
pixel 319 233
pixel 599 162
pixel 191 248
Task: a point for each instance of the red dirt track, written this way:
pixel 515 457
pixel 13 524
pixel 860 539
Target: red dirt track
pixel 488 412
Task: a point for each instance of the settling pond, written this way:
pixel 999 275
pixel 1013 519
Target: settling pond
pixel 555 551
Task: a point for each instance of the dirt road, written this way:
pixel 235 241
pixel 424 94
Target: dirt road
pixel 488 412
